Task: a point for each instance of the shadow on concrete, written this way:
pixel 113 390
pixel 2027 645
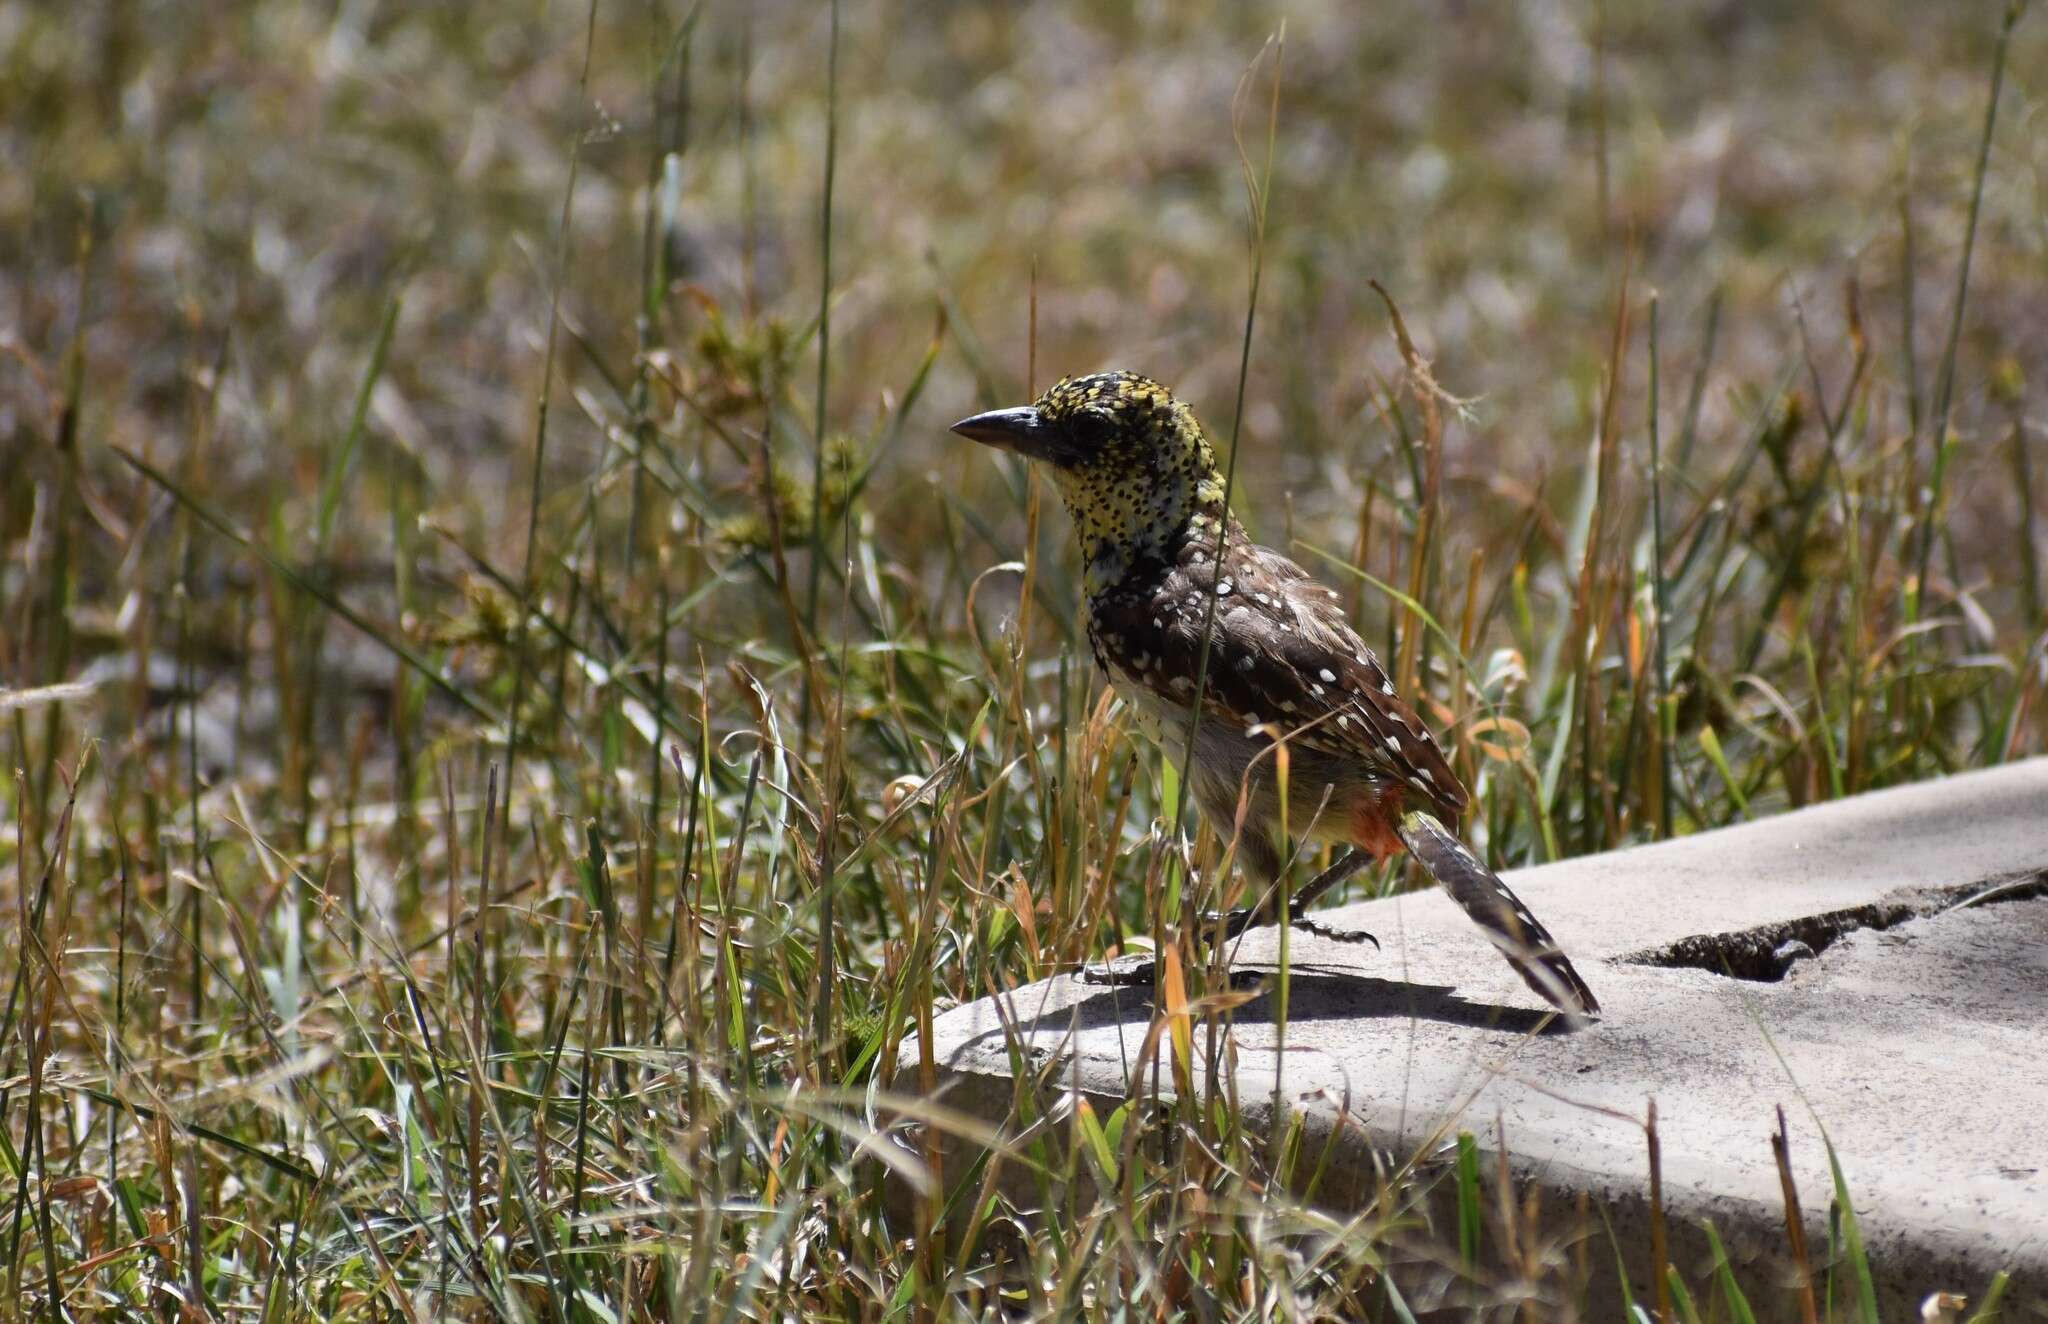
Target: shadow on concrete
pixel 1316 996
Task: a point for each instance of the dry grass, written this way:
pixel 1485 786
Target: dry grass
pixel 494 648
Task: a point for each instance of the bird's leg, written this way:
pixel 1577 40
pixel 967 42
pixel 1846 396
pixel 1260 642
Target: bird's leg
pixel 1348 864
pixel 1245 917
pixel 1264 862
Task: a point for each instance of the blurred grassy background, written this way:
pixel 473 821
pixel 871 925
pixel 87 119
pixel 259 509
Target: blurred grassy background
pixel 358 281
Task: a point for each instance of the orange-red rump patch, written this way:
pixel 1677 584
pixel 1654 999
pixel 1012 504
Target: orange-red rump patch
pixel 1373 818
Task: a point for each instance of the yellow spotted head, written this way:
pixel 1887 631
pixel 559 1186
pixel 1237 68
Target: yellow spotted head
pixel 1131 462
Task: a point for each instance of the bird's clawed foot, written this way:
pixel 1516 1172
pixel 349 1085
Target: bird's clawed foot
pixel 1309 924
pixel 1245 917
pixel 1139 970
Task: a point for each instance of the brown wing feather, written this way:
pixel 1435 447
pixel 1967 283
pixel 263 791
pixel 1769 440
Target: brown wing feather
pixel 1282 655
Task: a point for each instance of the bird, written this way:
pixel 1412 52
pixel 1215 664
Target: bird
pixel 1166 563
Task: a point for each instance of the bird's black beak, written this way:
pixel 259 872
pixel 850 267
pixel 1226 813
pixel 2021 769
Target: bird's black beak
pixel 1021 430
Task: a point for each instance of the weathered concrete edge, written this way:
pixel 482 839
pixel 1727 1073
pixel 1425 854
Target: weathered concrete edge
pixel 1906 1264
pixel 1971 826
pixel 1907 1259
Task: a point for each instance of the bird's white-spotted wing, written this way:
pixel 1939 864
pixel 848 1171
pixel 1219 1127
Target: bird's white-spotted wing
pixel 1281 656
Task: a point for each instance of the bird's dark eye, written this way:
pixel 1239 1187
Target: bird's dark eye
pixel 1091 427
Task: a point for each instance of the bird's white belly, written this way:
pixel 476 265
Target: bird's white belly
pixel 1152 715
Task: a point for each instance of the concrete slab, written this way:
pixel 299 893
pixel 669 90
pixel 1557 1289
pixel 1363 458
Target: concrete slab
pixel 1917 1035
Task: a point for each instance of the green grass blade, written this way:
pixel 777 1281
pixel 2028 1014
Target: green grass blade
pixel 1471 1207
pixel 1852 1238
pixel 398 648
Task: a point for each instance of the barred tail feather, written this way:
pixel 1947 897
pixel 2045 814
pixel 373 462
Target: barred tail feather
pixel 1525 943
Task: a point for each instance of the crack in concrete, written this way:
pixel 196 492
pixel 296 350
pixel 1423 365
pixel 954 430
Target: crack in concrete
pixel 1769 952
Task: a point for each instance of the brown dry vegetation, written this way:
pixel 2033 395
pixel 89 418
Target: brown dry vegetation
pixel 302 307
